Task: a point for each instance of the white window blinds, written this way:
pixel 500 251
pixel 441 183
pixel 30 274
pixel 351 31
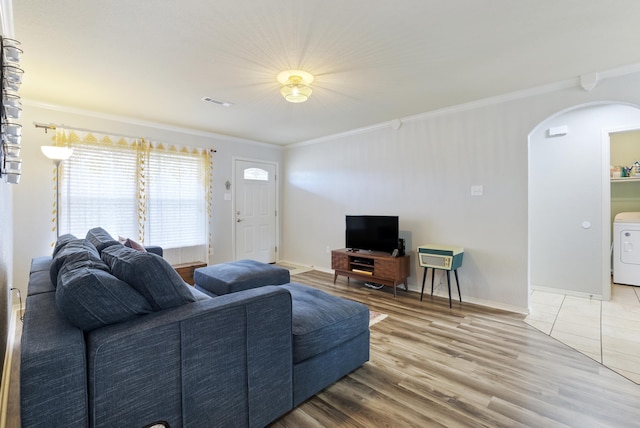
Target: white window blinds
pixel 98 188
pixel 176 212
pixel 132 188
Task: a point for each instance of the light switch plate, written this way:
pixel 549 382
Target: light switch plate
pixel 476 190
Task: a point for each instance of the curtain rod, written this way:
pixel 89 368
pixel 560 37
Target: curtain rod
pixel 53 127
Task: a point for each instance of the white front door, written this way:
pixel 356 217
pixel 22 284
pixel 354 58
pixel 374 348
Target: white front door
pixel 255 211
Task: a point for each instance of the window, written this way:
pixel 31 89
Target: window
pixel 257 174
pixel 132 188
pixel 175 200
pixel 98 188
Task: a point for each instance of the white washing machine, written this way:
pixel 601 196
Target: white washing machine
pixel 626 248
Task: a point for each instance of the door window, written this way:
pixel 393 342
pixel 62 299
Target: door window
pixel 257 174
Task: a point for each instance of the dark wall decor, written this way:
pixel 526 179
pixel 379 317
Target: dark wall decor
pixel 10 110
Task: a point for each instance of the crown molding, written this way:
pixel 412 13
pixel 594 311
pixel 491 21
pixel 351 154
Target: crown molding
pixel 145 123
pixel 472 105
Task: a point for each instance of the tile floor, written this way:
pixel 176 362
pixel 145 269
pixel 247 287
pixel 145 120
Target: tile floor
pixel 608 332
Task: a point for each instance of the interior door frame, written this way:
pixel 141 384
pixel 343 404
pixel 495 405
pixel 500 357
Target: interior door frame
pixel 606 205
pixel 234 162
pixel 605 144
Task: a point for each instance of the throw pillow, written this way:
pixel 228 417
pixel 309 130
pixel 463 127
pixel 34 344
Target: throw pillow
pixel 79 246
pixel 150 275
pixel 92 298
pixel 100 238
pixel 62 241
pixel 81 259
pixel 133 244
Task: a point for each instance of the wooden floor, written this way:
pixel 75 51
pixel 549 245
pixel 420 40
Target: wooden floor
pixel 469 366
pixel 12 406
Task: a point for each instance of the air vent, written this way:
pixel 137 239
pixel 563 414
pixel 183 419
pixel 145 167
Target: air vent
pixel 214 101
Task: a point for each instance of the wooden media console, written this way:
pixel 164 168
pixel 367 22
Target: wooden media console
pixel 371 266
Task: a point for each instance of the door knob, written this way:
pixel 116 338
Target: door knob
pixel 238 220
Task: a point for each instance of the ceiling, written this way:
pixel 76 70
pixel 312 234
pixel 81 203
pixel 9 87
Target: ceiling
pixel 373 60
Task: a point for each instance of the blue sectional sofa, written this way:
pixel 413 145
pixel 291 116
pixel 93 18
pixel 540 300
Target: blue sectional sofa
pixel 112 337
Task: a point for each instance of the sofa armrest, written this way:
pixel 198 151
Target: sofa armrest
pixel 53 376
pixel 227 359
pixel 155 249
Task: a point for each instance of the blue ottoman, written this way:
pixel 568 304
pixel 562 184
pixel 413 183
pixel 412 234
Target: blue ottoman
pixel 236 276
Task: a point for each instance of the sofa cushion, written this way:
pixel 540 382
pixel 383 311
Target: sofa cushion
pixel 40 282
pixel 41 263
pixel 151 275
pixel 92 298
pixel 81 259
pixel 101 239
pixel 322 321
pixel 62 241
pixel 83 247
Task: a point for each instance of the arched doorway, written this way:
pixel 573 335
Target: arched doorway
pixel 569 198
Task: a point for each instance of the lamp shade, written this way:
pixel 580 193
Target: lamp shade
pixel 295 85
pixel 57 153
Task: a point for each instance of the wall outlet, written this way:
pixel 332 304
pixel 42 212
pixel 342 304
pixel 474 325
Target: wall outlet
pixel 328 250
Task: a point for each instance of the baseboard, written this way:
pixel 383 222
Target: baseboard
pixel 415 288
pixel 6 367
pixel 481 302
pixel 567 292
pixel 289 262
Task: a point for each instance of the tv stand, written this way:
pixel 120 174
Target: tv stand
pixel 371 266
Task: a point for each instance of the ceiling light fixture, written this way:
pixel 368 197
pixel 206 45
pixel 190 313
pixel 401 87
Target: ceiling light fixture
pixel 295 85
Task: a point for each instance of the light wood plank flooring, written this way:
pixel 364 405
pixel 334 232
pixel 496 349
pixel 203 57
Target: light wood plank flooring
pixel 469 366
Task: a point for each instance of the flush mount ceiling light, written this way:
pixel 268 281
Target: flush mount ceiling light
pixel 295 85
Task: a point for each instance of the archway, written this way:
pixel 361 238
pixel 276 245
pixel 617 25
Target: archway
pixel 569 198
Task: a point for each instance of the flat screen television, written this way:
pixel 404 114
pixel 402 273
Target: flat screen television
pixel 372 232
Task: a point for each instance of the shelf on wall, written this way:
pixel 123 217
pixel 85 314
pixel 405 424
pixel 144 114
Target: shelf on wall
pixel 618 180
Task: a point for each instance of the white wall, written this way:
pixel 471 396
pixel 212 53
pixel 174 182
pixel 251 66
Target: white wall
pixel 33 197
pixel 566 189
pixel 6 261
pixel 423 172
